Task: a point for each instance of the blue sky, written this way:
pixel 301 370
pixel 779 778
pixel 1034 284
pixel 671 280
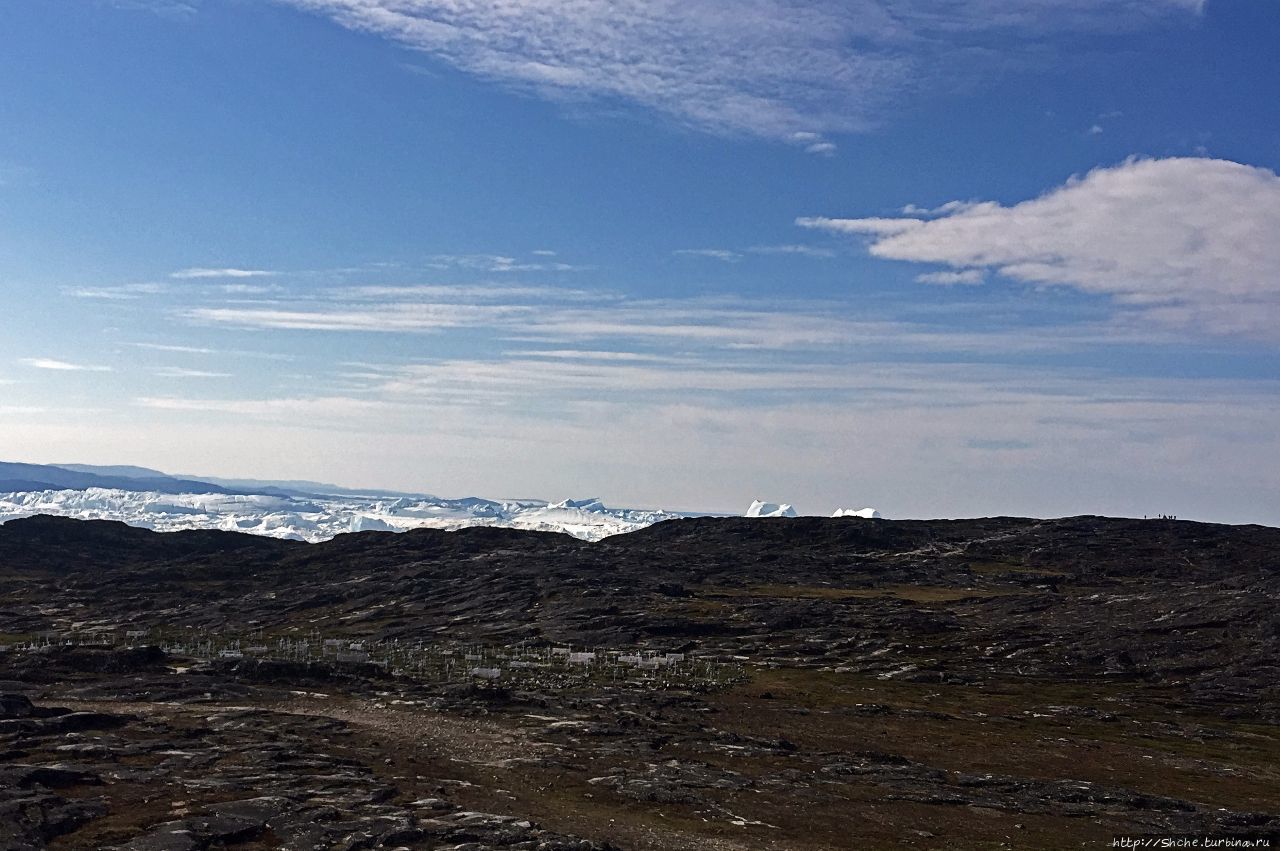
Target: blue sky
pixel 1003 256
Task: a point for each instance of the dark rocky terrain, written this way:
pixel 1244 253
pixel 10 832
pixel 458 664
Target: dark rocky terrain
pixel 836 684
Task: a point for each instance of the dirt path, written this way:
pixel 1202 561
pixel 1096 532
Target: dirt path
pixel 497 765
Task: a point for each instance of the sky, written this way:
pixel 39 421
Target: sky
pixel 1016 257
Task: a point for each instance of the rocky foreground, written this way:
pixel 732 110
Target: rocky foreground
pixel 701 684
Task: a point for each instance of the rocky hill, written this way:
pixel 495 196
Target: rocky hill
pixel 777 683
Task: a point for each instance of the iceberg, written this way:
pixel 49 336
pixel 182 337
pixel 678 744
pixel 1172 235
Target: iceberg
pixel 770 509
pixel 867 513
pixel 318 518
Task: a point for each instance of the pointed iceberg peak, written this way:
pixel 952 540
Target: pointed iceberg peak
pixel 591 504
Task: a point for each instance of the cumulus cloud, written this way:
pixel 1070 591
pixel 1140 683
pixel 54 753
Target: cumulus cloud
pixel 791 70
pixel 1190 243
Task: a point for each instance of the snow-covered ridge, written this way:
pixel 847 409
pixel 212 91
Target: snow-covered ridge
pixel 322 517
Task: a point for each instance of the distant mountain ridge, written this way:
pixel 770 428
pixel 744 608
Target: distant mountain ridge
pixel 305 487
pixel 219 484
pixel 16 476
pixel 127 471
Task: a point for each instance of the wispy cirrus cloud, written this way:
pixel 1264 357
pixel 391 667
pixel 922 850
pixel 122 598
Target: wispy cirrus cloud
pixel 501 263
pixel 467 293
pixel 874 226
pixel 574 319
pixel 949 278
pixel 199 272
pixel 722 254
pixel 791 70
pixel 249 289
pixel 183 372
pixel 122 292
pixel 391 317
pixel 294 408
pixel 1191 244
pixel 170 347
pixel 792 250
pixel 589 378
pixel 769 68
pixel 172 9
pixel 728 255
pixel 62 365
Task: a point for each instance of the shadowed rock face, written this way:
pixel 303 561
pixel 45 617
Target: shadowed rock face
pixel 959 683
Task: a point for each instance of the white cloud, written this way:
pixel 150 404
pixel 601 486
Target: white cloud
pixel 182 372
pixel 580 320
pixel 791 70
pixel 941 210
pixel 174 9
pixel 61 365
pixel 117 293
pixel 499 263
pixel 199 272
pixel 300 409
pixel 520 380
pixel 165 347
pixel 1188 243
pixel 466 293
pixel 592 355
pixel 418 317
pixel 722 254
pixel 965 276
pixel 802 250
pixel 249 289
pixel 871 226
